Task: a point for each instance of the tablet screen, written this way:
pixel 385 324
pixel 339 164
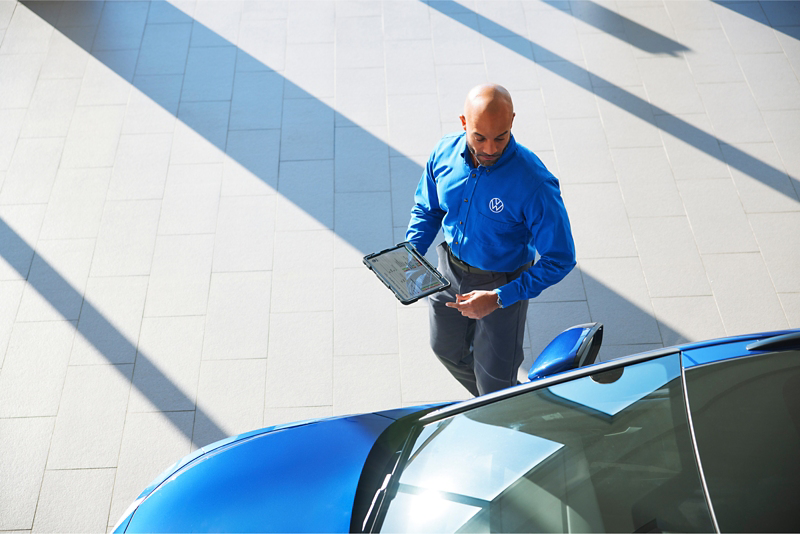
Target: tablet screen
pixel 406 273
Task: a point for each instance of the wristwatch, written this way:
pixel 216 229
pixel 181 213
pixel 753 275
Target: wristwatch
pixel 499 302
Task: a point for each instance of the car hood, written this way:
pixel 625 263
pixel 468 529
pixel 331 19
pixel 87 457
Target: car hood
pixel 296 479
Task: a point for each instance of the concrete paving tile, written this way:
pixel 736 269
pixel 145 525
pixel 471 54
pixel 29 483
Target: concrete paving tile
pixel 23 455
pixel 409 21
pixel 51 108
pixel 245 234
pixel 34 368
pixel 216 24
pixel 531 127
pixel 610 60
pixel 568 289
pixel 611 352
pixel 761 178
pixel 415 56
pixel 93 137
pixel 501 18
pixel 647 184
pixel 453 83
pixel 554 36
pixel 126 238
pixel 262 44
pixel 191 199
pixel 107 79
pixel 140 167
pixel 237 320
pixel 692 147
pixel 783 127
pixel 782 15
pixel 256 103
pixel 86 13
pixel 121 26
pixel 231 392
pixel 110 321
pixel 307 130
pixel 300 364
pixel 361 161
pixel 648 27
pixel 744 126
pixel 423 379
pixel 772 80
pixel 17 89
pixel 262 11
pixel 180 276
pixel 363 224
pixel 278 416
pixel 599 221
pixel 311 21
pixel 164 49
pixel 366 383
pixel 10 296
pixel 32 171
pixel 298 284
pixel 310 70
pixel 359 41
pixel 670 86
pixel 153 104
pixel 669 256
pixel 585 158
pixel 67 55
pixel 150 443
pixel 685 319
pixel 791 307
pixel 627 117
pixel 209 74
pixel 690 15
pixel 747 28
pixel 26 33
pixel 76 204
pixel 414 124
pixel 744 293
pixel 65 492
pixel 596 17
pixel 249 168
pixel 710 57
pixel 617 295
pixel 19 230
pixel 567 90
pixel 548 319
pixel 57 280
pixel 365 316
pixel 509 62
pixel 167 365
pixel 6 12
pixel 455 38
pixel 91 415
pixel 405 176
pixel 788 39
pixel 200 132
pixel 10 126
pixel 779 242
pixel 306 196
pixel 361 97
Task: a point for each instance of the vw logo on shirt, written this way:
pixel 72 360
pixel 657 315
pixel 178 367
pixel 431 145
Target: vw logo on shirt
pixel 496 205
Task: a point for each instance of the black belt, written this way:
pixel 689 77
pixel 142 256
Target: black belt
pixel 464 266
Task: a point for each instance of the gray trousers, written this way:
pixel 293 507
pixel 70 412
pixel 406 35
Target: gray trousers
pixel 483 354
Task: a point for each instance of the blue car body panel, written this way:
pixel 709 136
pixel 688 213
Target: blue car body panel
pixel 267 481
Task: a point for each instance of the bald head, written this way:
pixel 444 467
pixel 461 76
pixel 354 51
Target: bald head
pixel 488 115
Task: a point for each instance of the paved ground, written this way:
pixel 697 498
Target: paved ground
pixel 187 188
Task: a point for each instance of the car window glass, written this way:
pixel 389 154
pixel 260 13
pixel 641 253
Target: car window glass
pixel 746 416
pixel 604 453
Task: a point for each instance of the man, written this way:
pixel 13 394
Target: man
pixel 497 205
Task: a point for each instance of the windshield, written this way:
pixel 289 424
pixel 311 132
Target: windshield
pixel 608 452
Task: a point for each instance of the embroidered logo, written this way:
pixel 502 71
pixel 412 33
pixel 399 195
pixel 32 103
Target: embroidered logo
pixel 496 205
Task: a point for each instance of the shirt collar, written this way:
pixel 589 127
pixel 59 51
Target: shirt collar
pixel 511 147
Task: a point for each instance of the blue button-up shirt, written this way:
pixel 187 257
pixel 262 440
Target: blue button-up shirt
pixel 495 218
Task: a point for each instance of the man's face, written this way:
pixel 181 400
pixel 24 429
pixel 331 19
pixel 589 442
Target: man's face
pixel 488 134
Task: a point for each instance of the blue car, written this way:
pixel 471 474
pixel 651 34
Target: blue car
pixel 704 437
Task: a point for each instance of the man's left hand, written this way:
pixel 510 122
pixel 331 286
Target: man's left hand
pixel 475 304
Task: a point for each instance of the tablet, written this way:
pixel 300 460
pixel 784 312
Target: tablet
pixel 403 270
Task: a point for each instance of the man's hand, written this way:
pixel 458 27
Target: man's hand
pixel 475 304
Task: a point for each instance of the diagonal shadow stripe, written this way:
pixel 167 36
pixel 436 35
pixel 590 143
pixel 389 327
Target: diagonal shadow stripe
pixel 636 106
pixel 103 336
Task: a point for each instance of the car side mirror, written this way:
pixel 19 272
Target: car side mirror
pixel 572 348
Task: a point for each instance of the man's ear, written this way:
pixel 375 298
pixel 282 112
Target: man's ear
pixel 463 122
